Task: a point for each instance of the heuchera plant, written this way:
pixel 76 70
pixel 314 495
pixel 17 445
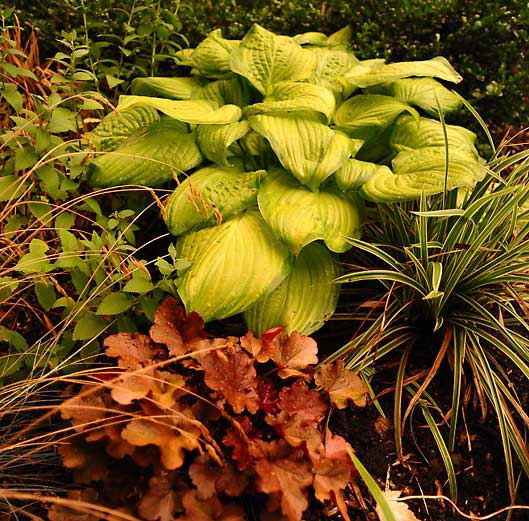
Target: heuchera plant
pixel 186 425
pixel 281 140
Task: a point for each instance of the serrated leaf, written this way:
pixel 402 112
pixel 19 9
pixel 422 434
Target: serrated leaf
pixel 213 286
pixel 162 87
pixel 36 260
pixel 298 216
pixel 114 304
pixel 11 187
pixel 265 58
pixel 139 283
pixel 425 93
pixel 210 195
pixel 307 148
pixel 63 120
pixel 190 111
pixel 150 158
pixel 88 326
pixel 214 140
pixel 292 96
pixel 212 56
pixel 437 67
pixel 305 300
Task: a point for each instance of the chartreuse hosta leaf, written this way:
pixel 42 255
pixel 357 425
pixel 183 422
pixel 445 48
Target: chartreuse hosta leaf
pixel 233 91
pixel 210 195
pixel 298 216
pixel 171 88
pixel 307 148
pixel 423 171
pixel 212 56
pixel 331 65
pixel 354 173
pixel 214 140
pixel 233 265
pixel 294 96
pixel 190 111
pixel 265 58
pixel 305 300
pixel 341 38
pixel 425 93
pixel 148 158
pixel 437 67
pixel 121 124
pixel 408 133
pixel 366 115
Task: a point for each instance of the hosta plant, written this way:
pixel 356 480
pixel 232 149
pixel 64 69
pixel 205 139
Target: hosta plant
pixel 275 143
pixel 189 425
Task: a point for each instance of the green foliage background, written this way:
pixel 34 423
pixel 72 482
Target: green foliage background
pixel 487 42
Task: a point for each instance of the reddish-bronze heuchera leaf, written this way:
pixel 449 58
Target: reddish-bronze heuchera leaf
pixel 294 353
pixel 233 376
pixel 341 384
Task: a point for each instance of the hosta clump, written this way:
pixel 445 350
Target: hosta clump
pixel 189 425
pixel 281 140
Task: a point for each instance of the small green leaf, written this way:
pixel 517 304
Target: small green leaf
pixel 7 286
pixel 11 187
pixel 140 283
pixel 13 339
pixel 46 295
pixel 63 120
pixel 112 81
pixel 36 260
pixel 89 326
pixel 25 158
pixel 114 304
pixel 13 97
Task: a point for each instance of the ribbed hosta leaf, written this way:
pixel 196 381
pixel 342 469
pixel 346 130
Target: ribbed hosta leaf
pixel 265 58
pixel 233 266
pixel 190 111
pixel 425 93
pixel 341 38
pixel 354 173
pixel 298 216
pixel 331 65
pixel 234 91
pixel 214 140
pixel 149 158
pixel 171 88
pixel 366 115
pixel 409 133
pixel 307 148
pixel 212 57
pixel 210 195
pixel 293 96
pixel 437 67
pixel 417 172
pixel 121 124
pixel 305 300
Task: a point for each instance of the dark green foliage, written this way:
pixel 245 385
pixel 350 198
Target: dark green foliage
pixel 487 42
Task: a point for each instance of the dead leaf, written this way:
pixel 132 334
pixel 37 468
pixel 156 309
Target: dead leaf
pixel 341 384
pixel 234 377
pixel 63 513
pixel 400 510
